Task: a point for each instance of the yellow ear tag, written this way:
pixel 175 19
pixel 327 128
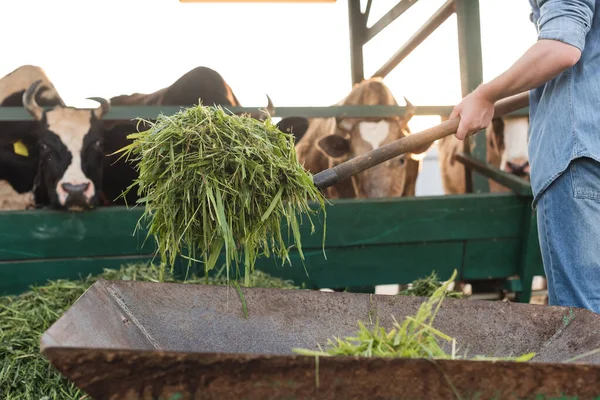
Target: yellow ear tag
pixel 20 148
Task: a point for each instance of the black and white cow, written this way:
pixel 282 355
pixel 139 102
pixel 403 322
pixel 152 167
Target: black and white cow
pixel 57 156
pixel 71 163
pixel 200 84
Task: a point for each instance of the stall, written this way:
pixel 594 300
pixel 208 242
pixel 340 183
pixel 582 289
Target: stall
pixel 369 241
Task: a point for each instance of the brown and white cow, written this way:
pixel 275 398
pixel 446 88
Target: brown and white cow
pixel 60 151
pixel 327 142
pixel 10 199
pixel 506 149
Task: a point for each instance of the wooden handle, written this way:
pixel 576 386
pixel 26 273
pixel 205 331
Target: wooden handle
pixel 345 170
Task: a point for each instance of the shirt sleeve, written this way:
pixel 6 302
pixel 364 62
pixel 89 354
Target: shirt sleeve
pixel 567 21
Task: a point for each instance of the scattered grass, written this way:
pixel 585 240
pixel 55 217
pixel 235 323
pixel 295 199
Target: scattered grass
pixel 415 337
pixel 427 286
pixel 211 181
pixel 25 374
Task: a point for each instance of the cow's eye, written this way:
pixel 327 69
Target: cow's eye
pixel 402 160
pixel 95 145
pixel 45 148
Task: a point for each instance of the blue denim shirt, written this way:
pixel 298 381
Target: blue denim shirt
pixel 565 112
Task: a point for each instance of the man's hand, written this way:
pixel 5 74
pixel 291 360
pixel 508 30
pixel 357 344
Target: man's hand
pixel 475 112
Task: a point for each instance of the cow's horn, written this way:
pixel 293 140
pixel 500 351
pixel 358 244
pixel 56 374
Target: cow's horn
pixel 270 107
pixel 29 100
pixel 410 111
pixel 104 107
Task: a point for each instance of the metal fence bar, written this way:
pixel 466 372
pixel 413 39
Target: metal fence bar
pixel 130 112
pixel 517 185
pixel 437 19
pixel 357 29
pixel 471 76
pixel 367 12
pixel 388 18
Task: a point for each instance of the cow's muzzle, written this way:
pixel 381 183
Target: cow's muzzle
pixel 520 170
pixel 76 196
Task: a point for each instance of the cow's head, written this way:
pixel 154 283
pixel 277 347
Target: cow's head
pixel 70 149
pixel 341 139
pixel 507 145
pixel 357 136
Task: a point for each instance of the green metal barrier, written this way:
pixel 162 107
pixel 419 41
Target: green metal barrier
pixel 369 242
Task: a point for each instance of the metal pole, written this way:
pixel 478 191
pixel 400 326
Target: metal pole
pixel 471 76
pixel 427 29
pixel 357 35
pixel 388 18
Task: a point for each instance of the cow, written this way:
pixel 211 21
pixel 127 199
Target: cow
pixel 506 149
pixel 10 199
pixel 70 151
pixel 322 143
pixel 56 157
pixel 199 85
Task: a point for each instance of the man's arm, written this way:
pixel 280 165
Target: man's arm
pixel 562 30
pixel 543 61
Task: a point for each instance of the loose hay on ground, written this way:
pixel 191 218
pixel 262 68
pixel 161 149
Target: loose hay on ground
pixel 24 373
pixel 211 181
pixel 426 287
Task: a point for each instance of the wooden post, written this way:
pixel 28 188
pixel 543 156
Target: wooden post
pixel 471 76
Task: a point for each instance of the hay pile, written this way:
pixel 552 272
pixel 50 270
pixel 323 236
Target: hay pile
pixel 211 181
pixel 24 373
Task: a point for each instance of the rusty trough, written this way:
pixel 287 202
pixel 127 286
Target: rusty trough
pixel 144 340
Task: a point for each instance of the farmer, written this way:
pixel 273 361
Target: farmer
pixel 562 72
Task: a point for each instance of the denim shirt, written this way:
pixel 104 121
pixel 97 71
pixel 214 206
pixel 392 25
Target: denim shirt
pixel 565 112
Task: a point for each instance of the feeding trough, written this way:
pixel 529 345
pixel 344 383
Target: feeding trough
pixel 145 340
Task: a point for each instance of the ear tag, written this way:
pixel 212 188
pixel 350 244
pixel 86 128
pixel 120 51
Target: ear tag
pixel 20 148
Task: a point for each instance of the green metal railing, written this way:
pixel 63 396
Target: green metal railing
pixel 131 112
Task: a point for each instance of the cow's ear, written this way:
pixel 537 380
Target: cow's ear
pixel 334 146
pixel 297 126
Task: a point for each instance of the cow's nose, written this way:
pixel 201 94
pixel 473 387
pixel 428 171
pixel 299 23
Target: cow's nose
pixel 517 168
pixel 73 189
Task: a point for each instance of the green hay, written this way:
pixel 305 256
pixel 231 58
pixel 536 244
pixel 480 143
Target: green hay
pixel 414 338
pixel 211 181
pixel 25 374
pixel 426 287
